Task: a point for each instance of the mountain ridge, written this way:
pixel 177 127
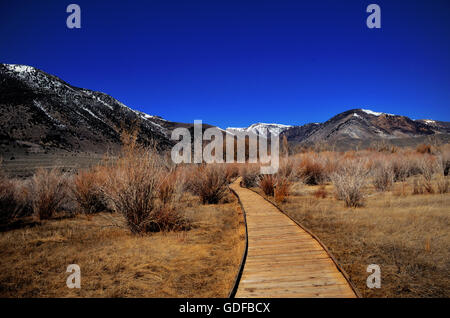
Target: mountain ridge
pixel 44 112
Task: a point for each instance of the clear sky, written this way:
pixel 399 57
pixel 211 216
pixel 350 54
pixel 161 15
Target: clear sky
pixel 236 62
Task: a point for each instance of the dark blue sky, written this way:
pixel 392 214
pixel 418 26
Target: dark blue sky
pixel 233 63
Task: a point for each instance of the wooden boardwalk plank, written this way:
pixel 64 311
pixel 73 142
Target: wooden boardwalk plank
pixel 283 260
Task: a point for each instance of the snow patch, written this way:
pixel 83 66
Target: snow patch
pixel 371 112
pixel 261 129
pixel 38 105
pixel 19 68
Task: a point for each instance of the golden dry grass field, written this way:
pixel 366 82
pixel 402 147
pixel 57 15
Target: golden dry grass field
pixel 200 262
pixel 407 235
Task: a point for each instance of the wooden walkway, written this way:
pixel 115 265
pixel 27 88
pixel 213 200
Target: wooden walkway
pixel 283 260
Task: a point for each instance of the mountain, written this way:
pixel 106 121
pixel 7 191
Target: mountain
pixel 261 129
pixel 358 127
pixel 42 112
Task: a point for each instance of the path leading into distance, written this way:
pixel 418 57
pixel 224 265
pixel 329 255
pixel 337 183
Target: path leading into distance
pixel 283 260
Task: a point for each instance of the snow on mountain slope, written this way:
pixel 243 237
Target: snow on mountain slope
pixel 41 108
pixel 371 112
pixel 261 129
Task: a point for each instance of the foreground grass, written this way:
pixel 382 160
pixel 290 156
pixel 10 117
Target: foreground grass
pixel 201 262
pixel 408 236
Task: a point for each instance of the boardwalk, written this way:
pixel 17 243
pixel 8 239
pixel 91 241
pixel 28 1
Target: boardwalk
pixel 283 260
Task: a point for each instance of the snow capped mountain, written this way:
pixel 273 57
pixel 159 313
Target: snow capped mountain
pixel 44 112
pixel 41 108
pixel 371 112
pixel 364 124
pixel 261 129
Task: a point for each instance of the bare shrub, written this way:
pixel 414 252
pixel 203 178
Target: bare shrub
pixel 312 171
pixel 444 161
pixel 349 181
pixel 400 168
pixel 427 167
pixel 168 186
pixel 48 192
pixel 383 176
pixel 132 188
pixel 250 175
pixel 232 171
pixel 11 204
pixel 286 169
pixel 86 190
pixel 282 189
pixel 209 183
pixel 267 184
pixel 442 184
pixel 383 146
pixel 428 186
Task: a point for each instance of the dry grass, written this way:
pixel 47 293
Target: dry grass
pixel 201 262
pixel 408 236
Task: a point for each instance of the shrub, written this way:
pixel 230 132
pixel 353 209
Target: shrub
pixel 11 204
pixel 427 167
pixel 87 193
pixel 400 168
pixel 428 186
pixel 168 186
pixel 444 162
pixel 133 189
pixel 383 177
pixel 443 184
pixel 267 184
pixel 286 169
pixel 48 192
pixel 250 175
pixel 232 171
pixel 312 171
pixel 282 189
pixel 349 182
pixel 209 183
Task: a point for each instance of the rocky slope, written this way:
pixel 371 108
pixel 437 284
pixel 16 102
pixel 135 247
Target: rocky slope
pixel 43 112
